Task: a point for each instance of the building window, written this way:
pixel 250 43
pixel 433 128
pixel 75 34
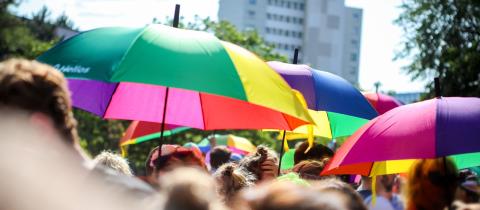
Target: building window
pixel 302 6
pixel 300 34
pixel 269 16
pixel 356 15
pixel 287 19
pixel 295 5
pixel 333 22
pixel 281 18
pixel 353 57
pixel 252 2
pixel 287 33
pixel 267 29
pixel 288 5
pixel 354 42
pixel 269 2
pixel 300 20
pixel 251 13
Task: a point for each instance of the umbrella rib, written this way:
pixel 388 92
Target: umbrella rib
pixel 201 109
pixel 110 100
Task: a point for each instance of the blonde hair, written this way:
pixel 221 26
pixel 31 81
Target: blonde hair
pixel 113 161
pixel 32 86
pixel 230 180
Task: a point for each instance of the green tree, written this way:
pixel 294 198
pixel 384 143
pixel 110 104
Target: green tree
pixel 16 38
pixel 442 37
pixel 226 31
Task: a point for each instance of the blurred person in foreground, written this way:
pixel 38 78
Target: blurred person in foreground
pixel 39 171
pixel 431 184
pixel 42 92
pixel 286 195
pixel 263 164
pixel 351 198
pixel 171 157
pixel 112 161
pixel 219 155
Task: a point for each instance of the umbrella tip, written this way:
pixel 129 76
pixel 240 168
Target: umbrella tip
pixel 176 16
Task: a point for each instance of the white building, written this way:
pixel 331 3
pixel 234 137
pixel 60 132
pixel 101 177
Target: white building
pixel 327 32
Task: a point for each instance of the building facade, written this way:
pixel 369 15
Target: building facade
pixel 326 32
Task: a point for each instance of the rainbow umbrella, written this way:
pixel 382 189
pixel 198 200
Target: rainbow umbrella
pixel 129 73
pixel 397 166
pixel 141 131
pixel 237 144
pixel 429 129
pixel 337 108
pixel 381 102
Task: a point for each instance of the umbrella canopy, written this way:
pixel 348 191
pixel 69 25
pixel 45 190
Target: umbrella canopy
pixel 429 129
pixel 397 166
pixel 168 57
pixel 141 131
pixel 337 108
pixel 237 144
pixel 381 102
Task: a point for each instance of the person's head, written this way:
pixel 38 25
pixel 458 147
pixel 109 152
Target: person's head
pixel 188 188
pixel 343 190
pixel 112 161
pixel 172 156
pixel 285 196
pixel 431 184
pixel 310 169
pixel 469 191
pixel 219 156
pixel 316 152
pixel 253 163
pixel 42 91
pixel 230 180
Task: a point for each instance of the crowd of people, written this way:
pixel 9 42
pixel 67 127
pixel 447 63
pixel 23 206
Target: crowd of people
pixel 44 167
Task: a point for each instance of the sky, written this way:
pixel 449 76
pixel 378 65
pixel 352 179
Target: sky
pixel 380 37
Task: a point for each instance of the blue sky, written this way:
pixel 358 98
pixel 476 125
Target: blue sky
pixel 380 37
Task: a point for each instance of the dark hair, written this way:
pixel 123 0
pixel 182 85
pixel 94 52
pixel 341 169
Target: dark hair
pixel 317 152
pixel 219 156
pixel 36 87
pixel 181 153
pixel 310 169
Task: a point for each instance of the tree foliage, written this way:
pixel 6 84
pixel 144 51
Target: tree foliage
pixel 442 38
pixel 16 38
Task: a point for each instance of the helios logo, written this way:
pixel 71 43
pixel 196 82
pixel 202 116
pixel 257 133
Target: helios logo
pixel 72 69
